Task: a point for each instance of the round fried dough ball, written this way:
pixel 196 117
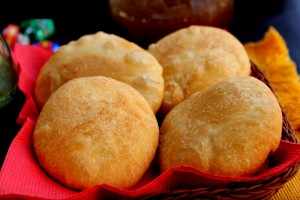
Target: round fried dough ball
pixel 227 129
pixel 102 54
pixel 196 57
pixel 96 130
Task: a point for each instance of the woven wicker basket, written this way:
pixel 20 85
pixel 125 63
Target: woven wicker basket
pixel 250 190
pixel 23 179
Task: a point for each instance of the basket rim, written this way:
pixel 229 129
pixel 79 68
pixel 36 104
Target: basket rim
pixel 288 133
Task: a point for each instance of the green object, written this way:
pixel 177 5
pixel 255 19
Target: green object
pixel 38 29
pixel 8 77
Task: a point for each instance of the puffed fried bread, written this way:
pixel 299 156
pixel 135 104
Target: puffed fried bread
pixel 228 129
pixel 96 130
pixel 106 55
pixel 196 57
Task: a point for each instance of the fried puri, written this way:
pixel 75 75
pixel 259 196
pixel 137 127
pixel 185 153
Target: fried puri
pixel 96 130
pixel 196 57
pixel 228 129
pixel 106 55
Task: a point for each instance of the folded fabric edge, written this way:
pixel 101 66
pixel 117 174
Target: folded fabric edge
pixel 29 110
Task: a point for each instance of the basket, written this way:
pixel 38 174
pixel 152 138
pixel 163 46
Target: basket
pixel 250 190
pixel 262 188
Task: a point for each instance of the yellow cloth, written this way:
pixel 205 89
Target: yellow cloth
pixel 271 56
pixel 290 191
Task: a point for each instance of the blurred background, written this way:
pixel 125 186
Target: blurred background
pixel 72 19
pixel 250 20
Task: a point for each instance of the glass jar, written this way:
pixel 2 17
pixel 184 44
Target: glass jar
pixel 8 75
pixel 148 20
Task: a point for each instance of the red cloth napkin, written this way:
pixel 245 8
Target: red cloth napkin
pixel 21 175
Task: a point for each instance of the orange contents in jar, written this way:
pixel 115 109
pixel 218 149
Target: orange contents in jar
pixel 149 20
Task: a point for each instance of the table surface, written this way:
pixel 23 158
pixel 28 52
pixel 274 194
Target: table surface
pixel 251 20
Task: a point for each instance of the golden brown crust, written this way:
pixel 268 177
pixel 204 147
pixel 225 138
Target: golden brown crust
pixel 229 128
pixel 104 134
pixel 196 57
pixel 102 54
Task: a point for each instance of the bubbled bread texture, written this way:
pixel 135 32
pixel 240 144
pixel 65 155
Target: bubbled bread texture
pixel 228 129
pixel 196 57
pixel 106 55
pixel 96 130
